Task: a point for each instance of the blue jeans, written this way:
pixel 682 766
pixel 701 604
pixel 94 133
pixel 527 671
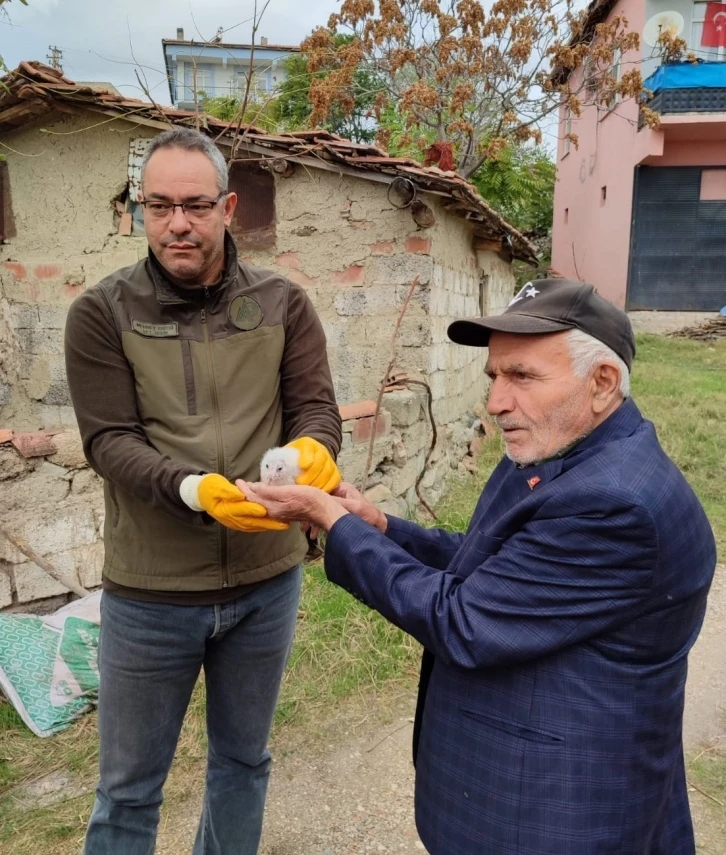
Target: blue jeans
pixel 150 656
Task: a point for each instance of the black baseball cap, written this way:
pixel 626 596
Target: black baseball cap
pixel 551 305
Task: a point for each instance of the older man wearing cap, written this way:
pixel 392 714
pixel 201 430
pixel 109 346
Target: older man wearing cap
pixel 556 630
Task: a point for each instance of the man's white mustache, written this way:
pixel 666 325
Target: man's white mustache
pixel 505 424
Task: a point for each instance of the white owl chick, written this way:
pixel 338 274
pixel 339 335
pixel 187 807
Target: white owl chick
pixel 280 467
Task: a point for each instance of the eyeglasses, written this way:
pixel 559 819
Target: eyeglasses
pixel 200 209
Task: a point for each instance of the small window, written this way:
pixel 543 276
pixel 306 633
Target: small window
pixel 603 195
pixel 253 223
pixel 616 74
pixel 713 185
pixel 567 216
pixel 131 218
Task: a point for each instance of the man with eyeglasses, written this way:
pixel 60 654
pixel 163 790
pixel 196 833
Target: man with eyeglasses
pixel 184 369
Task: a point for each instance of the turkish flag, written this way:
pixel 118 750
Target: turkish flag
pixel 714 26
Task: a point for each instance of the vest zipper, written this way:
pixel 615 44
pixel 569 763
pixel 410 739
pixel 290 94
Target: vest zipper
pixel 218 431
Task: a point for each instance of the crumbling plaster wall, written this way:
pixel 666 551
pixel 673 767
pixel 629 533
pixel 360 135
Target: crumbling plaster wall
pixel 337 236
pixel 64 176
pixel 357 255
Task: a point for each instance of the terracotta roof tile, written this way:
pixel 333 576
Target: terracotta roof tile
pixel 42 88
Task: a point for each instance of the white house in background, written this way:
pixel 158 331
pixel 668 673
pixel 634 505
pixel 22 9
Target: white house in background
pixel 221 68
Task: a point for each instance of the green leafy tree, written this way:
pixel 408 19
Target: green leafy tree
pixel 351 120
pixel 227 109
pixel 519 183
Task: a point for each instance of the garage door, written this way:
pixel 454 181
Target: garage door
pixel 678 240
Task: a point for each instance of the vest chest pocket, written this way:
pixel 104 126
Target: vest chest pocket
pixel 165 379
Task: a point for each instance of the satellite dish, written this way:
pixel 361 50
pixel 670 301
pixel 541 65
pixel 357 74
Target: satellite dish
pixel 671 22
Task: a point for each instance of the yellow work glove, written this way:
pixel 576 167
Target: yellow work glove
pixel 227 504
pixel 318 467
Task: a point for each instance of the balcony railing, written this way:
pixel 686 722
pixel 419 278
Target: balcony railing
pixel 687 87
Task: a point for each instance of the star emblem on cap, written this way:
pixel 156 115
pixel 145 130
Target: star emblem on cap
pixel 531 291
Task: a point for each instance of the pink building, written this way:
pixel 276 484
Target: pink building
pixel 641 213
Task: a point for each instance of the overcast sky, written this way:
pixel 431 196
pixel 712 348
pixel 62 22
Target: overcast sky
pixel 96 35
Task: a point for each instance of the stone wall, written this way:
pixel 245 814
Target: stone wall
pixel 63 186
pixel 51 500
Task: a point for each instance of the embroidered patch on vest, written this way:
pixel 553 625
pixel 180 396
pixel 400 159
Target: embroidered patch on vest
pixel 245 313
pixel 155 330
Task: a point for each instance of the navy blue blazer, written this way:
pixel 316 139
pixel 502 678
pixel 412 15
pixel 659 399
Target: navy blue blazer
pixel 556 634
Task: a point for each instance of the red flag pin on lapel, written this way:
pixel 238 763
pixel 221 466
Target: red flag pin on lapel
pixel 533 482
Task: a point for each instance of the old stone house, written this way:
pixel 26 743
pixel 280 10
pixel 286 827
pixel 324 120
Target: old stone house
pixel 350 224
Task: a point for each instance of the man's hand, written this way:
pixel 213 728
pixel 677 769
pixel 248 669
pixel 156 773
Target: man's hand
pixel 296 504
pixel 352 500
pixel 229 506
pixel 318 467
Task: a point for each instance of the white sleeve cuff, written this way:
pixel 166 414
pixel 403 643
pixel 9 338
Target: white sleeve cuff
pixel 189 492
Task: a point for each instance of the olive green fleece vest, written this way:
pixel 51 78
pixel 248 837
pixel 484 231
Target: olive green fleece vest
pixel 208 391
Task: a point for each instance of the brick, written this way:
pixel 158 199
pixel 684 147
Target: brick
pixel 353 275
pixel 44 488
pixel 73 289
pixel 86 481
pixel 12 465
pixel 405 477
pixel 5 436
pixel 404 407
pixel 300 278
pixel 32 583
pixel 53 317
pixel 58 394
pixel 6 589
pixel 69 450
pixel 67 418
pixel 89 564
pixel 68 528
pixel 383 247
pixel 289 260
pixel 401 269
pixel 377 494
pixel 367 302
pixel 125 225
pixel 41 342
pixel 363 428
pixel 476 445
pixel 352 461
pixel 359 410
pixel 418 245
pixel 17 270
pixel 24 316
pixel 37 444
pixel 48 271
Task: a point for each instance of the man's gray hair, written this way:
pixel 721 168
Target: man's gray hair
pixel 188 139
pixel 587 352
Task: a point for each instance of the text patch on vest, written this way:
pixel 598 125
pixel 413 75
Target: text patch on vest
pixel 155 330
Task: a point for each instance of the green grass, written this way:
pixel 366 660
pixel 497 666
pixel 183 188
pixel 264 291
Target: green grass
pixel 344 650
pixel 681 386
pixel 707 792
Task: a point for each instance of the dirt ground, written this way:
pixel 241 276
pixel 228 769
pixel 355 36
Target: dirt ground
pixel 664 322
pixel 349 790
